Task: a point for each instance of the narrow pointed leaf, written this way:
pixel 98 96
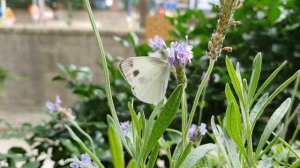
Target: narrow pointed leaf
pixel 219 135
pixel 164 120
pixel 268 81
pixel 254 76
pixel 258 106
pixel 115 147
pixel 274 94
pixel 234 77
pixel 185 153
pixel 153 157
pixel 197 154
pixel 234 125
pixel 272 124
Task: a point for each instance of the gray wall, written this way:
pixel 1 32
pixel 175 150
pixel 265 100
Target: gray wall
pixel 31 54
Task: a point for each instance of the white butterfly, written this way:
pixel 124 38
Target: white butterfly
pixel 148 77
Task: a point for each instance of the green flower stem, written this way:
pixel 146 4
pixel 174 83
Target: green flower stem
pixel 183 118
pixel 202 105
pixel 198 94
pixel 85 134
pixel 288 115
pixel 295 134
pixel 106 75
pixel 181 79
pixel 79 162
pixel 288 146
pixel 82 145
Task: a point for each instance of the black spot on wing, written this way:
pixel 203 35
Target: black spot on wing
pixel 135 73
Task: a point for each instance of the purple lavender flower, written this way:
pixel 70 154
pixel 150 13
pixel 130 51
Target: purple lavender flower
pixel 157 43
pixel 125 126
pixel 193 132
pixel 85 158
pixel 203 129
pixel 179 53
pixel 53 107
pixel 184 53
pixel 74 165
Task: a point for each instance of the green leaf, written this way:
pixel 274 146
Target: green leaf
pixel 197 154
pixel 233 154
pixel 184 155
pixel 134 118
pixel 219 135
pixel 150 123
pixel 296 164
pixel 268 81
pixel 164 120
pixel 258 106
pixel 234 125
pixel 115 147
pixel 70 146
pixel 17 150
pixel 153 157
pixel 274 94
pixel 131 164
pixel 273 14
pixel 237 84
pixel 254 76
pixel 272 124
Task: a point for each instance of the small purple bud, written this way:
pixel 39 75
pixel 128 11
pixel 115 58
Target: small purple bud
pixel 58 100
pixel 85 158
pixel 50 107
pixel 157 43
pixel 125 126
pixel 193 132
pixel 203 129
pixel 53 107
pixel 74 165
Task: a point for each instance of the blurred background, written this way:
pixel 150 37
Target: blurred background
pixel 47 48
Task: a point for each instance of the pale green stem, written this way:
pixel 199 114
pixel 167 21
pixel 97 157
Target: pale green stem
pixel 288 146
pixel 287 117
pixel 295 134
pixel 183 118
pixel 82 145
pixel 198 94
pixel 85 134
pixel 106 75
pixel 202 106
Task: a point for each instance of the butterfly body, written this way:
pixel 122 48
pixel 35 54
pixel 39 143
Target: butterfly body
pixel 147 76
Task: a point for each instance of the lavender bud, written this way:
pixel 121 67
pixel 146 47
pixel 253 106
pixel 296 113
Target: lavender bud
pixel 125 126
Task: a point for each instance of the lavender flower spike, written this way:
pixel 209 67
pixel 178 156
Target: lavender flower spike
pixel 193 132
pixel 203 129
pixel 157 43
pixel 298 108
pixel 179 53
pixel 125 126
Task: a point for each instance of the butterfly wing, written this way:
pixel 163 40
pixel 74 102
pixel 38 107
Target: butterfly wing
pixel 148 77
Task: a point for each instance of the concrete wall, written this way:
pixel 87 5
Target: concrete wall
pixel 31 53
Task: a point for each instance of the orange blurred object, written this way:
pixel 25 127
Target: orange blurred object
pixel 35 13
pixel 9 17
